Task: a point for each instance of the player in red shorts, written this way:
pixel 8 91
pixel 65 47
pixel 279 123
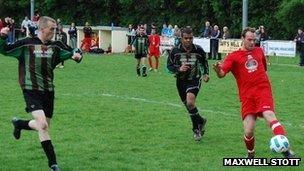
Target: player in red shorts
pixel 248 65
pixel 154 42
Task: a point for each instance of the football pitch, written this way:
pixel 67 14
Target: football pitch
pixel 107 118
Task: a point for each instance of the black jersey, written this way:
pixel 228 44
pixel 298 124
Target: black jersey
pixel 141 44
pixel 37 61
pixel 196 59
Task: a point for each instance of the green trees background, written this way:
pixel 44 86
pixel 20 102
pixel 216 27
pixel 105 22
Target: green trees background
pixel 280 17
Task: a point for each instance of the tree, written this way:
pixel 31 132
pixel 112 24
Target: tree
pixel 290 17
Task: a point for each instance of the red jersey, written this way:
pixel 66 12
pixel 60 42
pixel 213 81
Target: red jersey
pixel 249 69
pixel 154 42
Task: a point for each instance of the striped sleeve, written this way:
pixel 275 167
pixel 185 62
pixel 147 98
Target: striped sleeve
pixel 14 50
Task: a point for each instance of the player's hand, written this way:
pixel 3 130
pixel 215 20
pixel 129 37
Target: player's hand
pixel 133 48
pixel 4 31
pixel 216 66
pixel 77 56
pixel 206 77
pixel 184 68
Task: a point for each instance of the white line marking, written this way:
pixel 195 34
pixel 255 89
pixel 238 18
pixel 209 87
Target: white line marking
pixel 234 116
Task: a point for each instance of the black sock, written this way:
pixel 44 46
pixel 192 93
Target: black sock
pixel 23 124
pixel 138 71
pixel 195 117
pixel 49 151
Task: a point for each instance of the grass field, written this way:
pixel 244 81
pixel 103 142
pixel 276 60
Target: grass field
pixel 107 118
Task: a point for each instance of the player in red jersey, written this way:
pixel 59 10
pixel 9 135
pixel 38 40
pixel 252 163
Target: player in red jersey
pixel 154 42
pixel 248 65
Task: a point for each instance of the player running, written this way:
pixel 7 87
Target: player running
pixel 38 57
pixel 189 64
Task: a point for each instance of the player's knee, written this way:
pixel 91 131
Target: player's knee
pixel 42 125
pixel 249 131
pixel 190 105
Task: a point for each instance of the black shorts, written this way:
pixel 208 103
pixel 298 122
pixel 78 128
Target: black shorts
pixel 39 100
pixel 140 55
pixel 187 86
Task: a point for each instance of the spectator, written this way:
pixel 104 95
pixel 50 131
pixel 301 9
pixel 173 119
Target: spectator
pixel 257 34
pixel 300 44
pixel 73 35
pixel 170 31
pixel 215 35
pixel 164 31
pixel 226 33
pixel 263 36
pixel 206 31
pixel 58 29
pixel 25 26
pixel 130 34
pixel 62 37
pixel 36 17
pixel 177 36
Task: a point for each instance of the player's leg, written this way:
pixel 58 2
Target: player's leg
pixel 198 122
pixel 248 124
pixel 277 128
pixel 41 124
pixel 274 124
pixel 156 62
pixel 143 64
pixel 150 61
pixel 137 65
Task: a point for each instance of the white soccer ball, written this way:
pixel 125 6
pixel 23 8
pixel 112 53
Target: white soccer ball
pixel 279 143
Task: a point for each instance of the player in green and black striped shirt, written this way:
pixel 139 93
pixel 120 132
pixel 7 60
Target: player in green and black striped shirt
pixel 38 58
pixel 140 44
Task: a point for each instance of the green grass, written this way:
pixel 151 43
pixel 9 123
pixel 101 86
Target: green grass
pixel 106 118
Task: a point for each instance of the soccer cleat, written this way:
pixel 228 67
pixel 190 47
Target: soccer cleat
pixel 144 71
pixel 288 154
pixel 250 155
pixel 200 130
pixel 54 167
pixel 197 134
pixel 17 131
pixel 150 69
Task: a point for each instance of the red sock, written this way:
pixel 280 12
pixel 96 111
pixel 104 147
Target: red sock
pixel 277 128
pixel 249 141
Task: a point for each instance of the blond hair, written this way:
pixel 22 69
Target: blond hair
pixel 43 21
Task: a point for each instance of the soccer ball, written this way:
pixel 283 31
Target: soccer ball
pixel 279 143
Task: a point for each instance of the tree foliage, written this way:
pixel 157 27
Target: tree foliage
pixel 280 17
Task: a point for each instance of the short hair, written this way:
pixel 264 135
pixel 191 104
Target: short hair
pixel 187 30
pixel 247 29
pixel 43 21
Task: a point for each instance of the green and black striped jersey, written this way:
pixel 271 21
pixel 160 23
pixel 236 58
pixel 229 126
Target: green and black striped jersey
pixel 37 61
pixel 195 59
pixel 141 43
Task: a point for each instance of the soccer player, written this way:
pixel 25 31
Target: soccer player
pixel 248 65
pixel 140 46
pixel 154 42
pixel 38 58
pixel 189 64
